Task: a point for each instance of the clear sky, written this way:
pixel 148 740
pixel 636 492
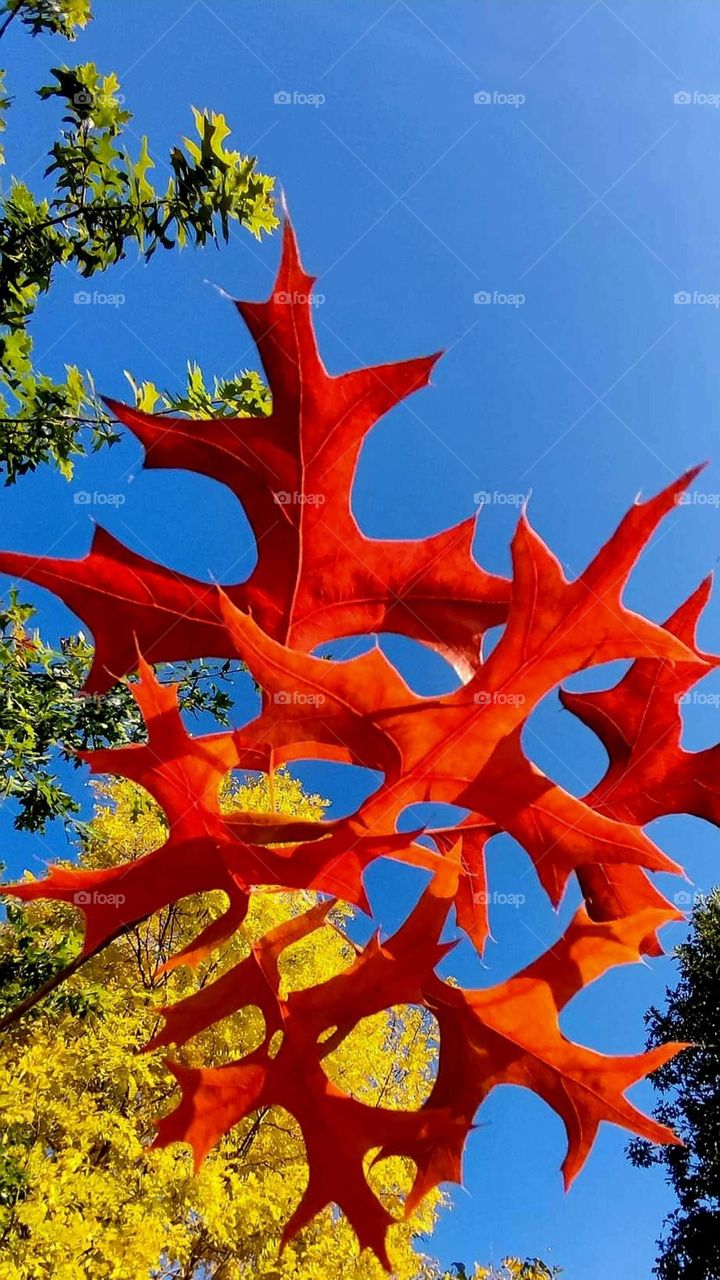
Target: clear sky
pixel 596 196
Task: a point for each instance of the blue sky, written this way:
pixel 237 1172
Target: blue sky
pixel 596 198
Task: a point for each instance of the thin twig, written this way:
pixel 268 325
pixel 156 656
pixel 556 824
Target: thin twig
pixel 8 20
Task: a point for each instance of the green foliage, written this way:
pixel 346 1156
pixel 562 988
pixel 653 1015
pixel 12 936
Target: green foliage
pixel 689 1088
pixel 80 1193
pixel 39 957
pixel 43 718
pixel 100 204
pixel 243 395
pixel 52 17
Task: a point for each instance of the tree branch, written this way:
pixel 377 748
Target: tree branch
pixel 9 1019
pixel 8 20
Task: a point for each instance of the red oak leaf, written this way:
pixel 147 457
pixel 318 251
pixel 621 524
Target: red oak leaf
pixel 318 578
pixel 509 1034
pixel 317 575
pixel 339 1132
pixel 464 747
pixel 469 839
pixel 383 974
pixel 129 603
pixel 254 981
pixel 639 722
pixel 208 848
pixel 506 1034
pixel 113 898
pixel 649 773
pixel 182 773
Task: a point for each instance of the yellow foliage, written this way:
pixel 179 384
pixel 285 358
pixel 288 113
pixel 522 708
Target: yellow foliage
pixel 517 1269
pixel 80 1193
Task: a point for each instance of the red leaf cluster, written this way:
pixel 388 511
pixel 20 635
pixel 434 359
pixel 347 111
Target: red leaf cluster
pixel 318 577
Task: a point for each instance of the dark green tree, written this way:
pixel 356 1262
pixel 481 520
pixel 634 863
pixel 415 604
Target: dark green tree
pixel 689 1089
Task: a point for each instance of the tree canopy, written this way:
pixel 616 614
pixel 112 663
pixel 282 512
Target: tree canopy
pixel 99 202
pixel 97 205
pixel 689 1089
pixel 80 1193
